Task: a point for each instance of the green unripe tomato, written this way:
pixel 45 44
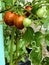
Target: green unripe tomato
pixel 27 22
pixel 41 12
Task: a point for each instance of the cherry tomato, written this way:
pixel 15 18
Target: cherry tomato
pixel 28 8
pixel 27 14
pixel 18 21
pixel 8 18
pixel 27 22
pixel 41 12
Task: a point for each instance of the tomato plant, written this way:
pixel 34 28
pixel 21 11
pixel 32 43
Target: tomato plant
pixel 29 31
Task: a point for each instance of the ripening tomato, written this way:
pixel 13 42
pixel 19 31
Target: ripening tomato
pixel 27 22
pixel 28 8
pixel 8 18
pixel 18 21
pixel 41 12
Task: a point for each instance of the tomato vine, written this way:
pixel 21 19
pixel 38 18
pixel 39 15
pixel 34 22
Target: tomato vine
pixel 31 23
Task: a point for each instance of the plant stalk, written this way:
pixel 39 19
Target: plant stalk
pixel 17 51
pixel 11 46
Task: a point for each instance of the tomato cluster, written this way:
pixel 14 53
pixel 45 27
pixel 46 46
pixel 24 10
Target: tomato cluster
pixel 19 21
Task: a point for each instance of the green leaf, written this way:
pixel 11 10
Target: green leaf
pixel 8 3
pixel 36 7
pixel 3 6
pixel 28 35
pixel 47 42
pixel 21 47
pixel 45 21
pixel 47 39
pixel 23 1
pixel 45 61
pixel 21 43
pixel 36 55
pixel 47 1
pixel 38 38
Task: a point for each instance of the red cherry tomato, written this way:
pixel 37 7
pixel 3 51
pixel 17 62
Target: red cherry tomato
pixel 18 21
pixel 27 14
pixel 8 18
pixel 28 8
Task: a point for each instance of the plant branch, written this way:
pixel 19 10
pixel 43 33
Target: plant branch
pixel 11 46
pixel 14 4
pixel 2 11
pixel 17 51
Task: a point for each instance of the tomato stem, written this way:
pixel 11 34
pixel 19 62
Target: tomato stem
pixel 17 51
pixel 11 46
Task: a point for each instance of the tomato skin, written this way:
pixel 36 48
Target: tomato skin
pixel 41 12
pixel 18 22
pixel 8 18
pixel 28 8
pixel 27 22
pixel 27 14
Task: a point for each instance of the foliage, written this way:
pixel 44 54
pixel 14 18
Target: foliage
pixel 27 37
